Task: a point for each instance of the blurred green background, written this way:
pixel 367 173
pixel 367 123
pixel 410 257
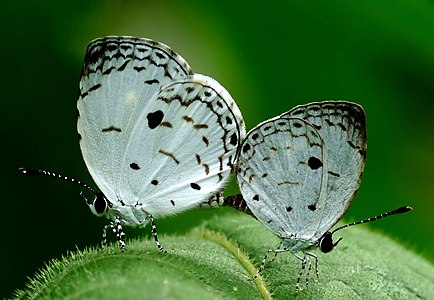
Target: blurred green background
pixel 270 56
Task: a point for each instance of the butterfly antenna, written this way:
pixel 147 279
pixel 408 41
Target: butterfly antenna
pixel 36 172
pixel 400 210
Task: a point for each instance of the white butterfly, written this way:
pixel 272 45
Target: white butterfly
pixel 299 173
pixel 156 138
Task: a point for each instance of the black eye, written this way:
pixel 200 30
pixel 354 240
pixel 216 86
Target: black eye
pixel 326 243
pixel 100 203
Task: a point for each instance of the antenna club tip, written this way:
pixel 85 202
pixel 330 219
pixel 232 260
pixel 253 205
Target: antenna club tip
pixel 404 209
pixel 26 171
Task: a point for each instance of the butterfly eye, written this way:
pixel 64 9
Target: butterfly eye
pixel 99 204
pixel 326 243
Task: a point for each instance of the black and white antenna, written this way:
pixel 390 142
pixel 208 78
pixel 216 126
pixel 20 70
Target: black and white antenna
pixel 37 172
pixel 401 210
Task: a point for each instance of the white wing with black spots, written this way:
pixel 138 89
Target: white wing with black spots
pixel 342 126
pixel 119 77
pixel 156 138
pixel 281 175
pixel 194 124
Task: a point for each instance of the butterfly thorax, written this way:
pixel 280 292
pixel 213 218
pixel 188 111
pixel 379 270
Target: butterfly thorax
pixel 295 244
pixel 130 215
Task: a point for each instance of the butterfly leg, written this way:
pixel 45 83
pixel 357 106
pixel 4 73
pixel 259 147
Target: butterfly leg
pixel 154 234
pixel 308 270
pixel 275 253
pixel 302 269
pixel 116 227
pixel 262 266
pixel 316 263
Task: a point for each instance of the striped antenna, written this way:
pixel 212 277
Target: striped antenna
pixel 400 210
pixel 36 172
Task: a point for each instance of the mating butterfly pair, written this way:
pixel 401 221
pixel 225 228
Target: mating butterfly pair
pixel 159 139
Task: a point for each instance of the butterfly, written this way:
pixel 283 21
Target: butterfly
pixel 298 174
pixel 156 138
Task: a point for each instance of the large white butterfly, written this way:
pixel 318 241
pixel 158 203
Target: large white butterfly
pixel 156 138
pixel 299 173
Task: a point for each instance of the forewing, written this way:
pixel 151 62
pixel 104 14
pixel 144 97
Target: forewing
pixel 182 148
pixel 280 176
pixel 342 126
pixel 119 77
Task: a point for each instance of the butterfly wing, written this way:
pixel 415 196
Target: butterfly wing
pixel 119 76
pixel 182 148
pixel 280 175
pixel 342 126
pixel 131 91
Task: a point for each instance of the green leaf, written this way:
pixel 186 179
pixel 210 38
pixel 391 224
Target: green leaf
pixel 216 261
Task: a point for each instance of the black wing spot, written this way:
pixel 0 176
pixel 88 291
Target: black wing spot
pixel 173 202
pixel 330 123
pixel 234 139
pixel 351 144
pixel 220 177
pixel 154 182
pixel 288 208
pixel 246 148
pixel 139 69
pixel 266 158
pixel 200 126
pixel 205 140
pixel 297 125
pixel 108 71
pixel 160 55
pixel 273 148
pixel 269 221
pixel 228 120
pixel 152 81
pixel 195 186
pixel 154 119
pixel 221 163
pixel 255 136
pixel 256 197
pixel 166 124
pixel 95 87
pixel 124 65
pixel 198 159
pixel 312 207
pixel 206 166
pixel 207 94
pixel 264 175
pixel 169 155
pixel 134 166
pixel 342 126
pixel 189 89
pixel 111 128
pixel 314 163
pixel 334 174
pixel 187 119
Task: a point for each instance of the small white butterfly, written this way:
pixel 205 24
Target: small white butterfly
pixel 299 173
pixel 156 138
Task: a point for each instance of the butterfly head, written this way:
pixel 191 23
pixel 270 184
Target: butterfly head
pixel 326 243
pixel 99 205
